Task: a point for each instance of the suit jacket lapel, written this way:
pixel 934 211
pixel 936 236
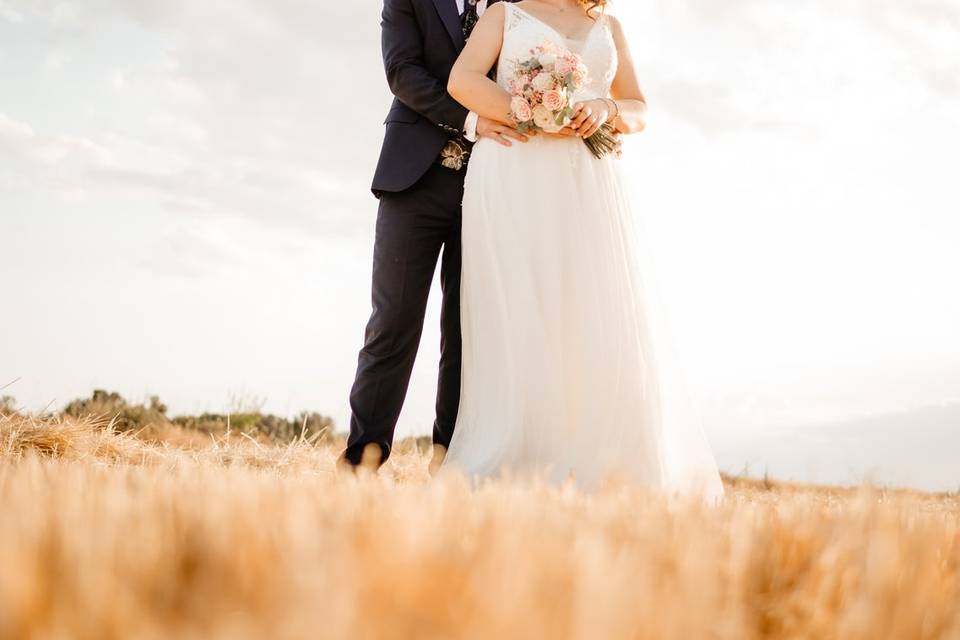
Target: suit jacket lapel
pixel 451 20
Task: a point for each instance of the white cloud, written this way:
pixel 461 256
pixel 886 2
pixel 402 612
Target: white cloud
pixel 9 14
pixel 235 110
pixel 14 134
pixel 732 65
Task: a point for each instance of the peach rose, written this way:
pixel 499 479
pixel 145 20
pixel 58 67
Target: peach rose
pixel 555 100
pixel 520 109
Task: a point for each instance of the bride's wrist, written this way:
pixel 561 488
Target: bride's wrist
pixel 606 108
pixel 613 110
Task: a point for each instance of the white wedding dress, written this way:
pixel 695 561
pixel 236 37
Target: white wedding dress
pixel 560 374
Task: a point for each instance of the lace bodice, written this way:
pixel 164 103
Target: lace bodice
pixel 523 31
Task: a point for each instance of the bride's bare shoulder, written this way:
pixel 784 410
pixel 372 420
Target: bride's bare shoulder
pixel 611 20
pixel 614 25
pixel 495 11
pixel 493 17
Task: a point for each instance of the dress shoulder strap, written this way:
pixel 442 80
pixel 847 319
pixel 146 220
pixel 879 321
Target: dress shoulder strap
pixel 513 16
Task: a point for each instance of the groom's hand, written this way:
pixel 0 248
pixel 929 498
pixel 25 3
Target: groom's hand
pixel 501 133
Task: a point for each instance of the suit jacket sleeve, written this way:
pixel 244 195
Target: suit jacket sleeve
pixel 407 75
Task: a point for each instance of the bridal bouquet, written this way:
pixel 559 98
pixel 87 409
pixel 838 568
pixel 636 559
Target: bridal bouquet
pixel 541 87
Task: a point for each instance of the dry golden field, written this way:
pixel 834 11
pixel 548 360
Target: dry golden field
pixel 106 535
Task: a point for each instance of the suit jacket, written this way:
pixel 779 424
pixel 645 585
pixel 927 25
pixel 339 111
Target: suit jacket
pixel 421 40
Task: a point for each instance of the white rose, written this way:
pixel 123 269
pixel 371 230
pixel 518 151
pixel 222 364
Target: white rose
pixel 548 59
pixel 543 82
pixel 544 119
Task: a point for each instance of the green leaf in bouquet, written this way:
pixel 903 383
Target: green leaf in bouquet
pixel 563 114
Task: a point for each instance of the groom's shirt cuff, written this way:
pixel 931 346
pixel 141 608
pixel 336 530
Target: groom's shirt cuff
pixel 470 127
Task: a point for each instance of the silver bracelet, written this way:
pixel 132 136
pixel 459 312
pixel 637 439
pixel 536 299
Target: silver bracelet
pixel 616 106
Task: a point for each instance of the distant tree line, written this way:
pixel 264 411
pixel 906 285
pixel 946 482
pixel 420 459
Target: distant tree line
pixel 124 416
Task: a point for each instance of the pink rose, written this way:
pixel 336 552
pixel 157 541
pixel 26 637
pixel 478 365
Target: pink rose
pixel 520 109
pixel 554 100
pixel 565 65
pixel 579 76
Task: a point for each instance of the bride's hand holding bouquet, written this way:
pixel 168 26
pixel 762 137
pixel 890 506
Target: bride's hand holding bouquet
pixel 541 88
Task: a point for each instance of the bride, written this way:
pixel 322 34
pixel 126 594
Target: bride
pixel 560 374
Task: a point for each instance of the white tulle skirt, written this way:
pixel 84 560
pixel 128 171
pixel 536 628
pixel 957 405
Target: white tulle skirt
pixel 561 370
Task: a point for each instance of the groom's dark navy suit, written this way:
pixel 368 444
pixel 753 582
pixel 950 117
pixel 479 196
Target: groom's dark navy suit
pixel 419 216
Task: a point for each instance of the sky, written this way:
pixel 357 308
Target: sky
pixel 185 208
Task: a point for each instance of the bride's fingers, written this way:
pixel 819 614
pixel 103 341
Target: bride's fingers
pixel 580 117
pixel 589 127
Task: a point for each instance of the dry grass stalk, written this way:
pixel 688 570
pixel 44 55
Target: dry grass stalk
pixel 105 535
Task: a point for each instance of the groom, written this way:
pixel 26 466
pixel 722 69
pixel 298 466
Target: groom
pixel 419 181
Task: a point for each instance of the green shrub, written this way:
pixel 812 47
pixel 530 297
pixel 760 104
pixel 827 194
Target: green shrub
pixel 130 417
pixel 124 416
pixel 269 426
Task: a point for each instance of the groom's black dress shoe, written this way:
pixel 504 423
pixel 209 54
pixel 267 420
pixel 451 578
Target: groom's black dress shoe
pixel 371 459
pixel 436 459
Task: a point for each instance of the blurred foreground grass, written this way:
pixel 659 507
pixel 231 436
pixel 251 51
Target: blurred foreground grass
pixel 173 533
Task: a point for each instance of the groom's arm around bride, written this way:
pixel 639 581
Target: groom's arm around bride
pixel 421 40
